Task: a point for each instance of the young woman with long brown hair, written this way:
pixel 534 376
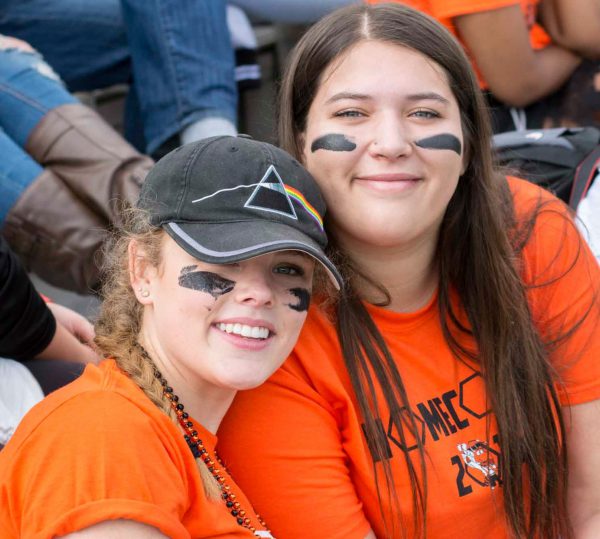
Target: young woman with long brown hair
pixel 452 390
pixel 207 289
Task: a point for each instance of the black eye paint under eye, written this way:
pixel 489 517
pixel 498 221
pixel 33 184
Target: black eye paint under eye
pixel 303 296
pixel 443 141
pixel 205 281
pixel 334 142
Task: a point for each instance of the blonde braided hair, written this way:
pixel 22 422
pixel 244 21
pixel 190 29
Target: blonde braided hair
pixel 119 320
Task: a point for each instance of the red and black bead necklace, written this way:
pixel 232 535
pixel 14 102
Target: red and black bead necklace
pixel 200 452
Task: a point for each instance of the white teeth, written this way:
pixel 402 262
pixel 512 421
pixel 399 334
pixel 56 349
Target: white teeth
pixel 253 332
pixel 257 333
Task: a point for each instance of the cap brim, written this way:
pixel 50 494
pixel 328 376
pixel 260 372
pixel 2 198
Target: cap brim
pixel 224 243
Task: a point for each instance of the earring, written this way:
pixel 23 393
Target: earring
pixel 144 293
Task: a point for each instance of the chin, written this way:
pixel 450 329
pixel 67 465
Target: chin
pixel 242 383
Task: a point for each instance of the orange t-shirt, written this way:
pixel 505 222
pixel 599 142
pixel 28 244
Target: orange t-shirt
pixel 99 449
pixel 312 473
pixel 446 10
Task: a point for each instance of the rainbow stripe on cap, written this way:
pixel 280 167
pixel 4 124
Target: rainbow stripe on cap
pixel 299 197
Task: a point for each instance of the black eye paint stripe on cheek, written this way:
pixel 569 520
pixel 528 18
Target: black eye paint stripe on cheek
pixel 334 142
pixel 443 141
pixel 205 281
pixel 303 296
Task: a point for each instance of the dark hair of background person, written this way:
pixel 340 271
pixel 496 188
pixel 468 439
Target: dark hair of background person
pixel 477 256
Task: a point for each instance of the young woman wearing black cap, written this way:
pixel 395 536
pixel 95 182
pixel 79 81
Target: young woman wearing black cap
pixel 208 285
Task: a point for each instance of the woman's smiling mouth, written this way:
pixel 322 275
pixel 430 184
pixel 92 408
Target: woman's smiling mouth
pixel 388 183
pixel 252 332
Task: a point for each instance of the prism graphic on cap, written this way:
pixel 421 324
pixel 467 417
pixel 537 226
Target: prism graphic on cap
pixel 270 195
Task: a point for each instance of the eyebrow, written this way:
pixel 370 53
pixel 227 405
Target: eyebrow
pixel 347 95
pixel 428 96
pixel 421 96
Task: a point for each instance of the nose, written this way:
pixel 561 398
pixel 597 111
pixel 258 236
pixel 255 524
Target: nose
pixel 390 139
pixel 254 288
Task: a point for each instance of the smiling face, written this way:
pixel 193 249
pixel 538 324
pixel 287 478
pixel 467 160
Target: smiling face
pixel 223 326
pixel 384 141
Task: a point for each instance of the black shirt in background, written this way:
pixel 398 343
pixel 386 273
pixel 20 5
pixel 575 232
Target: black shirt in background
pixel 26 324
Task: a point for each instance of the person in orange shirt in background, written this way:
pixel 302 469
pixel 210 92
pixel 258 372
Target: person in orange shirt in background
pixel 208 286
pixel 535 57
pixel 453 389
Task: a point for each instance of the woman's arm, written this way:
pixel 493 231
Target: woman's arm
pixel 65 345
pixel 29 328
pixel 73 339
pixel 583 445
pixel 573 24
pixel 118 529
pixel 517 75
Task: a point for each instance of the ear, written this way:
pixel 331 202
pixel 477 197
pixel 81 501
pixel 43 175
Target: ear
pixel 141 273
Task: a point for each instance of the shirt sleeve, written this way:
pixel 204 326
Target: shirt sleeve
pixel 563 279
pixel 26 324
pixel 283 446
pixel 455 8
pixel 70 473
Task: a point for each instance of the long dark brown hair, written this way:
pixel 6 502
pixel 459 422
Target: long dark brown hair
pixel 478 257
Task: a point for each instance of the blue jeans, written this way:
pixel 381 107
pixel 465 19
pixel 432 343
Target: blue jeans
pixel 176 53
pixel 289 11
pixel 28 90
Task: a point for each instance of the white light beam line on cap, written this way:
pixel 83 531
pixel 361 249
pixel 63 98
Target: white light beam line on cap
pixel 224 190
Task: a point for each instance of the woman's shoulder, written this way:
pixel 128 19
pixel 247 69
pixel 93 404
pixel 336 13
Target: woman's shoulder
pixel 318 339
pixel 95 451
pixel 545 228
pixel 101 399
pixel 527 196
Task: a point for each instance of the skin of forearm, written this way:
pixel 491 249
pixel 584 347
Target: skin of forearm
pixel 574 25
pixel 518 75
pixel 65 346
pixel 549 70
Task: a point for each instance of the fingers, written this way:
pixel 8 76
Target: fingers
pixel 73 322
pixel 83 330
pixel 88 355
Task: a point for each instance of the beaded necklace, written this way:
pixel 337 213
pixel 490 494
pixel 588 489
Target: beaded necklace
pixel 199 451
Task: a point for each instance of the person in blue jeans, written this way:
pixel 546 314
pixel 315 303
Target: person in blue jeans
pixel 65 174
pixel 289 11
pixel 176 54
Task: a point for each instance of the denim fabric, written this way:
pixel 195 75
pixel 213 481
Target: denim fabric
pixel 177 54
pixel 17 171
pixel 28 90
pixel 183 63
pixel 290 11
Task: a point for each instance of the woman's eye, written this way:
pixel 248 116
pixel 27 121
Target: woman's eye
pixel 289 269
pixel 425 113
pixel 348 114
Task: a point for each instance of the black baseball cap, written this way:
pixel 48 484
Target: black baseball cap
pixel 226 199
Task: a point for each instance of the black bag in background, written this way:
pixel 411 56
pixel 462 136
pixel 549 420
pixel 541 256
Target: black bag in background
pixel 563 160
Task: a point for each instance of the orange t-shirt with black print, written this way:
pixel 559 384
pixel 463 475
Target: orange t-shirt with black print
pixel 99 449
pixel 446 10
pixel 312 474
